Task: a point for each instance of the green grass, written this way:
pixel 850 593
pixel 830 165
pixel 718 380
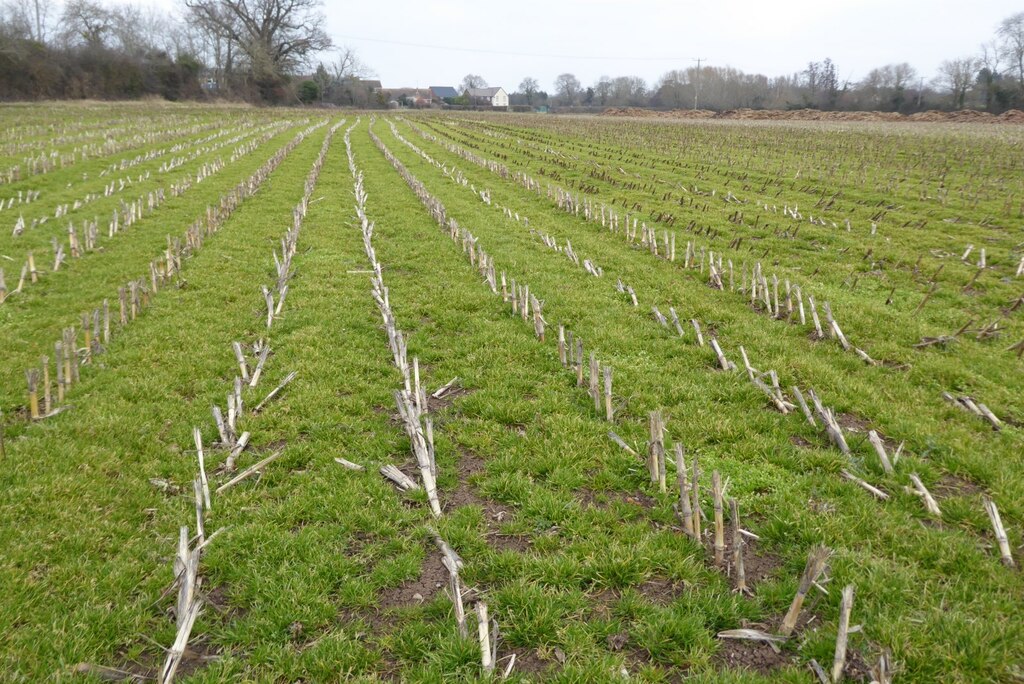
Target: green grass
pixel 559 529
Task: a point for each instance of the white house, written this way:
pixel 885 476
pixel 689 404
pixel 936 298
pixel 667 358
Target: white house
pixel 488 97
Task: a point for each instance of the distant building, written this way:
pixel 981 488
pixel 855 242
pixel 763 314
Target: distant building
pixel 444 93
pixel 487 97
pixel 408 97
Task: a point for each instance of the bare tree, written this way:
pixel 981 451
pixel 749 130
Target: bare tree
pixel 956 76
pixel 990 56
pixel 1011 31
pixel 276 36
pixel 603 89
pixel 529 88
pixel 886 86
pixel 27 18
pixel 348 65
pixel 85 22
pixel 473 81
pixel 135 29
pixel 673 89
pixel 628 90
pixel 340 82
pixel 15 24
pixel 567 86
pixel 217 48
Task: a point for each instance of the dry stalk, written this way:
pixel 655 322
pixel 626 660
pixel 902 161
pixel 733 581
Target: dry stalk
pixel 817 560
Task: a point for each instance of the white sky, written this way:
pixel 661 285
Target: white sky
pixel 649 37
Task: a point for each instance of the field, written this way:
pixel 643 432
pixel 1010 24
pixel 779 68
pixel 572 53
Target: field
pixel 295 395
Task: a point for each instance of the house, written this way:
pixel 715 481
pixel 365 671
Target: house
pixel 444 93
pixel 408 97
pixel 488 97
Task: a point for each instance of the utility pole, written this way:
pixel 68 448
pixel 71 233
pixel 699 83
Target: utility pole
pixel 696 92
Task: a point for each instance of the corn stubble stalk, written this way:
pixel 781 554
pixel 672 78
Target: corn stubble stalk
pixel 883 457
pixel 189 600
pixel 716 493
pixel 832 427
pixel 871 489
pixel 695 492
pixel 609 413
pixel 276 391
pixel 1000 532
pixel 484 633
pixel 579 362
pixel 411 417
pixel 198 439
pixel 685 508
pixel 31 376
pixel 739 570
pixel 400 479
pixel 926 496
pixel 656 450
pixel 817 560
pixel 845 607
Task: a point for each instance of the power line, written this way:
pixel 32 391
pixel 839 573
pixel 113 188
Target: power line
pixel 512 54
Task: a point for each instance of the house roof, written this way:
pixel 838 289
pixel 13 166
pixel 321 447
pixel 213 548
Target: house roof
pixel 406 92
pixel 482 92
pixel 444 91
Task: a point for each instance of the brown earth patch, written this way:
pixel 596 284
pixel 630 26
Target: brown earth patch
pixel 749 655
pixel 435 404
pixel 494 513
pixel 859 426
pixel 433 576
pixel 661 591
pixel 797 440
pixel 757 565
pixel 658 590
pixel 853 423
pixel 109 674
pixel 528 662
pixel 217 598
pixel 857 667
pixel 1011 420
pixel 954 485
pixel 146 668
pixel 616 642
pixel 602 602
pixel 518 428
pixel 593 499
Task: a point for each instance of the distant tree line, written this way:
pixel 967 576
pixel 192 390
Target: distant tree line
pixel 256 50
pixel 264 51
pixel 992 79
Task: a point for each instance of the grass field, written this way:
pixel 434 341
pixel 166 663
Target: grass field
pixel 386 247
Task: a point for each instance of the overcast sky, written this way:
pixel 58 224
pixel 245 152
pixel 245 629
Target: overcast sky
pixel 543 38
